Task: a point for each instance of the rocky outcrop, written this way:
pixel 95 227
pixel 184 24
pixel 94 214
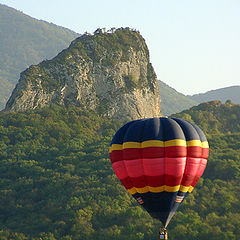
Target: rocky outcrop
pixel 108 71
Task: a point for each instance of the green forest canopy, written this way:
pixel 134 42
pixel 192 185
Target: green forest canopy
pixel 56 180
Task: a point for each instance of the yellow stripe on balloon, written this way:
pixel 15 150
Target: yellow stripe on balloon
pixel 161 189
pixel 194 143
pixel 115 147
pixel 205 144
pixel 131 145
pixel 175 142
pixel 158 143
pixel 152 143
pixel 190 189
pixel 184 188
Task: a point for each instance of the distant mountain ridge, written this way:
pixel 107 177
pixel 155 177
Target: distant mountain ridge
pixel 172 101
pixel 26 41
pixel 222 94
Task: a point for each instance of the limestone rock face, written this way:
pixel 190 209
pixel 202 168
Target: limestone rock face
pixel 109 72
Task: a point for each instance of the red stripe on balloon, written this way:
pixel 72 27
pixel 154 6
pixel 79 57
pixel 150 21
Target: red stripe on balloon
pixel 194 151
pixel 191 169
pixel 205 153
pixel 148 152
pixel 127 182
pixel 174 166
pixel 116 156
pixel 175 151
pixel 200 171
pixel 131 153
pixel 156 172
pixel 172 180
pixel 152 181
pixel 153 152
pixel 165 171
pixel 155 181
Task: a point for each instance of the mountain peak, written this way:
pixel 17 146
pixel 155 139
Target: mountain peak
pixel 108 71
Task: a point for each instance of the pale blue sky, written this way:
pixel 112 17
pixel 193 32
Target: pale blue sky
pixel 194 45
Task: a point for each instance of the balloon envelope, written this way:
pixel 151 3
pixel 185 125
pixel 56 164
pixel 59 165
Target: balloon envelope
pixel 159 161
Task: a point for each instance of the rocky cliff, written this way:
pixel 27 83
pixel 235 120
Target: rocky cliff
pixel 108 71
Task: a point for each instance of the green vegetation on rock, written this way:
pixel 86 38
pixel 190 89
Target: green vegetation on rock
pixel 105 67
pixel 105 49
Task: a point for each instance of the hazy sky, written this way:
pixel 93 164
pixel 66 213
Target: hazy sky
pixel 194 45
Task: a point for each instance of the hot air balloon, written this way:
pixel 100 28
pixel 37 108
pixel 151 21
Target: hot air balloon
pixel 159 161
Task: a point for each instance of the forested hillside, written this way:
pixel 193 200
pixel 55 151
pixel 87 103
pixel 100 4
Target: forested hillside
pixel 56 180
pixel 214 117
pixel 172 101
pixel 26 41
